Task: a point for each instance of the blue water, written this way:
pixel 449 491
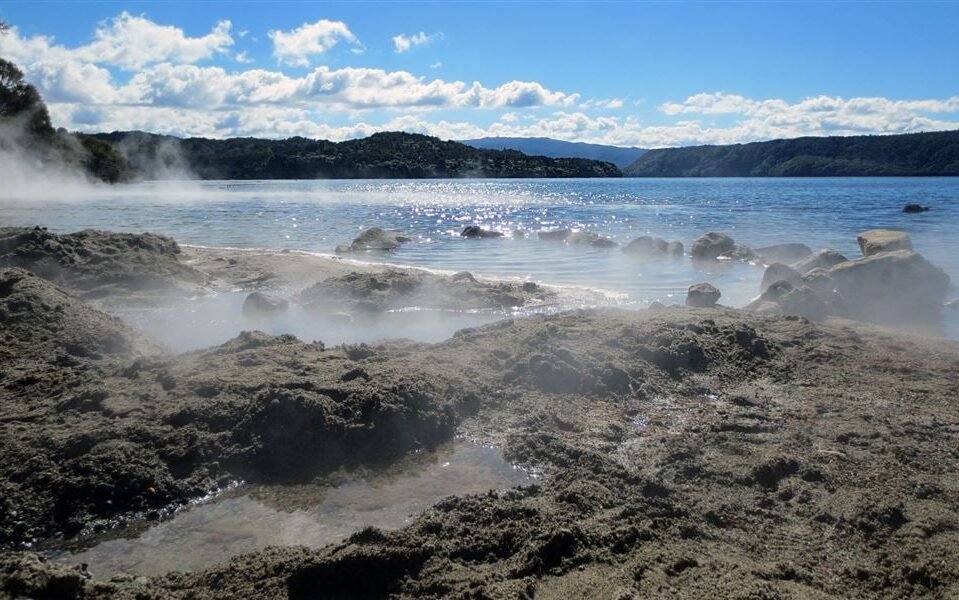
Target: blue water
pixel 317 215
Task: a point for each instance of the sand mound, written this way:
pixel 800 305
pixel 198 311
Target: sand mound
pixel 97 264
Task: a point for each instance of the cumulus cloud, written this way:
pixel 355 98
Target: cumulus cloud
pixel 310 39
pixel 403 42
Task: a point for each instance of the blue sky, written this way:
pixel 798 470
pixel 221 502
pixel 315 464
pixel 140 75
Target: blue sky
pixel 646 74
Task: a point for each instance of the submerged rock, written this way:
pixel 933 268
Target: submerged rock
pixel 653 247
pixel 875 241
pixel 822 259
pixel 375 239
pixel 783 253
pixel 914 208
pixel 577 238
pixel 702 295
pixel 477 232
pixel 712 245
pixel 259 304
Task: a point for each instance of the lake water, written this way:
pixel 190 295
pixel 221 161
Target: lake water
pixel 315 216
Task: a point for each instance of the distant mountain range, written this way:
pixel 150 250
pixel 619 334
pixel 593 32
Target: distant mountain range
pixel 935 153
pixel 379 156
pixel 538 146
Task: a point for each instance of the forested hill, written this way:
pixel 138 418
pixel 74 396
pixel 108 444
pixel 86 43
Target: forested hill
pixel 539 146
pixel 382 155
pixel 934 153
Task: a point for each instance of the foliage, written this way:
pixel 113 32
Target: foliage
pixel 382 155
pixel 935 153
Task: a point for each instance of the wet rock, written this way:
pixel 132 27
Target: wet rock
pixel 577 238
pixel 779 272
pixel 259 304
pixel 463 276
pixel 477 232
pixel 821 259
pixel 702 295
pixel 530 287
pixel 376 239
pixel 890 287
pixel 712 245
pixel 914 208
pixel 783 253
pixel 554 235
pixel 875 241
pixel 652 247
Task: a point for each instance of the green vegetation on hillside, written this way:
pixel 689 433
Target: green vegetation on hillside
pixel 934 153
pixel 382 155
pixel 26 132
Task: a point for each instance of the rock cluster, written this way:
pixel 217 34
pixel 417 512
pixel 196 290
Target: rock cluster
pixel 890 284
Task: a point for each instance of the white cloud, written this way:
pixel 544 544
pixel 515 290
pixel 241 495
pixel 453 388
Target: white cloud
pixel 403 42
pixel 436 65
pixel 310 39
pixel 242 58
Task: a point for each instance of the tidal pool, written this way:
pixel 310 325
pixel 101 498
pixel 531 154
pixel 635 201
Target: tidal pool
pixel 252 517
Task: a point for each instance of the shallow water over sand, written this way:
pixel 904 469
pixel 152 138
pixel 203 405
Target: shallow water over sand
pixel 252 517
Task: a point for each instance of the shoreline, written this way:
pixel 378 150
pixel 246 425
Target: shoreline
pixel 684 450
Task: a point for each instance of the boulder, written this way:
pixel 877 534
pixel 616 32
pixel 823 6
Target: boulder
pixel 891 287
pixel 822 259
pixel 376 239
pixel 477 232
pixel 579 238
pixel 702 295
pixel 554 235
pixel 784 298
pixel 783 253
pixel 259 304
pixel 875 241
pixel 653 247
pixel 779 272
pixel 914 208
pixel 712 245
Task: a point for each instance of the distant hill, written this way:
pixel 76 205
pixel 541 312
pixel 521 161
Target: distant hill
pixel 934 153
pixel 382 155
pixel 537 146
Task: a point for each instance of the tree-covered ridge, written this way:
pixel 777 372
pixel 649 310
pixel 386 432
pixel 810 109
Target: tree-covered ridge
pixel 935 153
pixel 382 155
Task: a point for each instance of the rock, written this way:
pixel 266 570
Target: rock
pixel 656 305
pixel 259 304
pixel 712 245
pixel 343 249
pixel 463 276
pixel 875 241
pixel 779 272
pixel 653 247
pixel 784 298
pixel 554 235
pixel 822 259
pixel 914 208
pixel 580 238
pixel 783 253
pixel 820 281
pixel 529 287
pixel 603 242
pixel 376 239
pixel 891 287
pixel 477 232
pixel 702 295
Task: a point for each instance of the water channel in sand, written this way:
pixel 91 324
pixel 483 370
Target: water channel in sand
pixel 252 517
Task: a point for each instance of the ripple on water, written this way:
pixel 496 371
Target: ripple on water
pixel 253 517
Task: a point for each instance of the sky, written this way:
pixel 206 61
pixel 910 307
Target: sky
pixel 646 74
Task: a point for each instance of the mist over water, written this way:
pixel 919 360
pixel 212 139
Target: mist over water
pixel 315 216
